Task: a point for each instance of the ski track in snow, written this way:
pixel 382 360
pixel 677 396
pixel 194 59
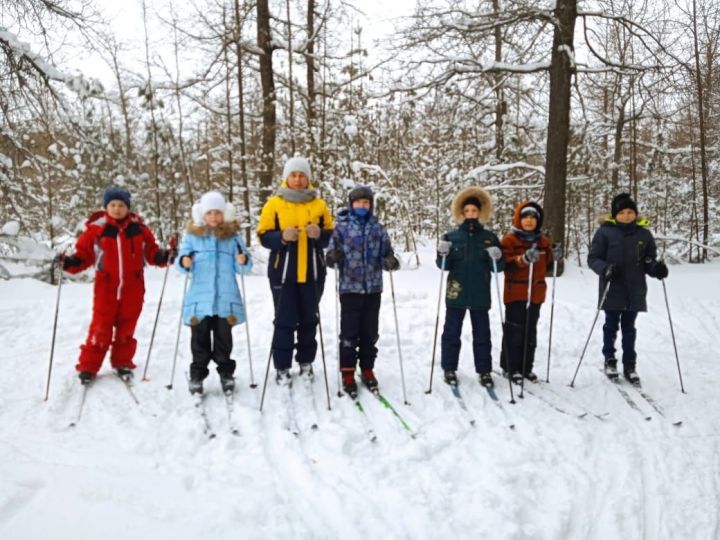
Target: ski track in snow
pixel 149 471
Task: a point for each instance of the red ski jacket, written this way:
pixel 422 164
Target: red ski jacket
pixel 119 250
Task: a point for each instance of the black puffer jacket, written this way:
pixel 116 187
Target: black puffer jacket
pixel 632 249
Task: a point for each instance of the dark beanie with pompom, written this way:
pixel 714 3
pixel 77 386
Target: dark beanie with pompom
pixel 622 201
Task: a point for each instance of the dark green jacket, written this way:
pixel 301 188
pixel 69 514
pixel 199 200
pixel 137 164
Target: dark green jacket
pixel 469 265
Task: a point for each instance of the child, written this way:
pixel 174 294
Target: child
pixel 469 252
pixel 296 226
pixel 213 251
pixel 360 248
pixel 622 252
pixel 119 244
pixel 525 245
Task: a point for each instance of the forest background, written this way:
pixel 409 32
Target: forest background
pixel 565 102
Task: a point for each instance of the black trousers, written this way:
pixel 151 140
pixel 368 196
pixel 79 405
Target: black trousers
pixel 513 344
pixel 359 315
pixel 211 340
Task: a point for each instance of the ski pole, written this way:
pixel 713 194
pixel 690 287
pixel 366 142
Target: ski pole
pixel 503 345
pixel 315 255
pixel 531 271
pixel 253 384
pixel 277 310
pixel 397 336
pixel 587 341
pixel 172 243
pixel 437 323
pixel 672 333
pixel 177 335
pixel 337 327
pixel 552 312
pixel 54 332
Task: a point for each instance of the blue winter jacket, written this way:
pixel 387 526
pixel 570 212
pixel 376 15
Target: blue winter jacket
pixel 365 243
pixel 213 287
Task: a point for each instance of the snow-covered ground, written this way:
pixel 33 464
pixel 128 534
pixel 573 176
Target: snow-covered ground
pixel 148 471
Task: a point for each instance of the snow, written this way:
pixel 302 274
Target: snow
pixel 11 228
pixel 148 471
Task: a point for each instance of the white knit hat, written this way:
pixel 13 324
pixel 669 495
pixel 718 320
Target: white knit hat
pixel 297 164
pixel 212 200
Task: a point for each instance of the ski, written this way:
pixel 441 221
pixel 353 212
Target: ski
pixel 230 405
pixel 127 382
pixel 629 400
pixel 493 397
pixel 308 386
pixel 650 401
pixel 291 423
pixel 78 415
pixel 200 406
pixel 554 406
pixel 463 405
pixel 396 414
pixel 369 431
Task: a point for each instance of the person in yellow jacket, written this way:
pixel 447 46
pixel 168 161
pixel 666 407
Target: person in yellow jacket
pixel 295 225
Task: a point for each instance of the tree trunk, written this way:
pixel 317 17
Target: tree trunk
pixel 703 150
pixel 267 81
pixel 561 72
pixel 310 63
pixel 500 104
pixel 291 96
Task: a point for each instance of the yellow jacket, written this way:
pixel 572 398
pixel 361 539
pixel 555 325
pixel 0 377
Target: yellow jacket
pixel 279 214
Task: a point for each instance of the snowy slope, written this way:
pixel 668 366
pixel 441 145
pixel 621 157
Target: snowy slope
pixel 148 471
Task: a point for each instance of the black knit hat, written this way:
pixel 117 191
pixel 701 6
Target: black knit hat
pixel 115 193
pixel 361 192
pixel 622 202
pixel 474 201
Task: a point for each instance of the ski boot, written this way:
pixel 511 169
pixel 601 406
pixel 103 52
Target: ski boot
pixel 86 377
pixel 450 377
pixel 195 386
pixel 611 369
pixel 125 374
pixel 368 379
pixel 515 377
pixel 530 376
pixel 631 375
pixel 306 370
pixel 227 383
pixel 348 381
pixel 283 378
pixel 486 380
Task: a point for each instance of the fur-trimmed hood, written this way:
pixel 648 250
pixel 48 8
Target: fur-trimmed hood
pixel 602 219
pixel 463 195
pixel 520 206
pixel 226 229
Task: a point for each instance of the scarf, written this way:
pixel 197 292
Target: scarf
pixel 297 195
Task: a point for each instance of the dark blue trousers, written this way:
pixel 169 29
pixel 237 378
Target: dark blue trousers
pixel 295 314
pixel 450 342
pixel 626 321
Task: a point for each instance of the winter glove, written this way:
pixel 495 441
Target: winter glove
pixel 68 261
pixel 660 270
pixel 557 252
pixel 390 263
pixel 611 272
pixel 165 256
pixel 443 248
pixel 313 231
pixel 186 261
pixel 495 253
pixel 290 234
pixel 334 256
pixel 531 256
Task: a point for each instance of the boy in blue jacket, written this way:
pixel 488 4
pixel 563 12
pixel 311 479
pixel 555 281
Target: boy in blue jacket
pixel 623 250
pixel 360 248
pixel 213 251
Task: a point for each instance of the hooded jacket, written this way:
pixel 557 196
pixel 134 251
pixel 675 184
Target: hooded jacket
pixel 279 214
pixel 469 265
pixel 365 243
pixel 632 249
pixel 213 288
pixel 517 273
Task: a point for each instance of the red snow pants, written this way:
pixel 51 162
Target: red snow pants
pixel 113 323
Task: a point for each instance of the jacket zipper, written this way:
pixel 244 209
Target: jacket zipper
pixel 121 272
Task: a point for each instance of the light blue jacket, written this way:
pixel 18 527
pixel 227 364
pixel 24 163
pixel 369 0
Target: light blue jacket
pixel 213 286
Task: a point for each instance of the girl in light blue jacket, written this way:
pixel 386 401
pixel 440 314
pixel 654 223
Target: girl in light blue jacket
pixel 213 252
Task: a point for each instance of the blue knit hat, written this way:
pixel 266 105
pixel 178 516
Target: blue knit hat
pixel 114 193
